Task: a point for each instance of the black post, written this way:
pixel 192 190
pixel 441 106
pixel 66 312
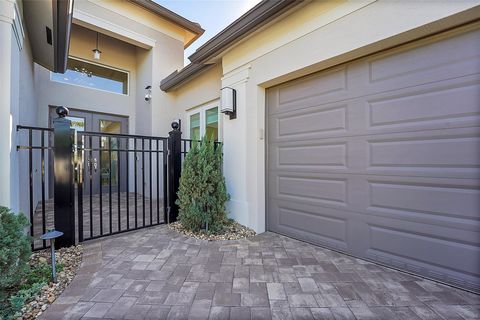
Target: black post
pixel 64 198
pixel 174 171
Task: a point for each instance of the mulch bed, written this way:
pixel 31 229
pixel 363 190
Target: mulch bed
pixel 71 258
pixel 232 231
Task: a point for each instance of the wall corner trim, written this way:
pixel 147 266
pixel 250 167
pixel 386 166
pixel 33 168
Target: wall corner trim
pixel 10 13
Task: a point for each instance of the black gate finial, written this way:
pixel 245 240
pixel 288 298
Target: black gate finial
pixel 175 125
pixel 62 111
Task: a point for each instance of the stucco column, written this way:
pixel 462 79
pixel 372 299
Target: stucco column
pixel 6 20
pixel 242 143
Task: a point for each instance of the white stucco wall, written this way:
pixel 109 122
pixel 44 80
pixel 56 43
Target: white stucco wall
pixel 201 91
pixel 16 98
pixel 315 37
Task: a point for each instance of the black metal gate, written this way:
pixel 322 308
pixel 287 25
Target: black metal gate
pixel 104 183
pixel 130 190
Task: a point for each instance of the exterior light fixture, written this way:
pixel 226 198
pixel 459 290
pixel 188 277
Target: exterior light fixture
pixel 96 52
pixel 228 102
pixel 52 235
pixel 148 96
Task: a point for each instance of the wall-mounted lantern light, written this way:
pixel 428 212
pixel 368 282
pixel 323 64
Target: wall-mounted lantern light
pixel 228 102
pixel 148 96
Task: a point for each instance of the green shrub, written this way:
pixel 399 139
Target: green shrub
pixel 15 248
pixel 202 193
pixel 18 301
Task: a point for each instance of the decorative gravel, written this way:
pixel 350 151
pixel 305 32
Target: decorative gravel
pixel 233 231
pixel 71 258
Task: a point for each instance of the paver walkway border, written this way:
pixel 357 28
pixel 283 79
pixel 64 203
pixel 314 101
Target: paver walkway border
pixel 157 273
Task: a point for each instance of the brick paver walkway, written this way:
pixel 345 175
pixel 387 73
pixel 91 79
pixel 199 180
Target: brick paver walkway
pixel 156 273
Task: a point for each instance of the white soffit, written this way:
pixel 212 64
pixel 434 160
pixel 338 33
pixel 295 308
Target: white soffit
pixel 90 21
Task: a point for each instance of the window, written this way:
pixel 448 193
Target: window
pixel 211 123
pixel 195 126
pixel 86 74
pixel 204 121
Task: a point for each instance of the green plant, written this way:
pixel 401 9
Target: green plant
pixel 202 193
pixel 15 248
pixel 39 273
pixel 12 308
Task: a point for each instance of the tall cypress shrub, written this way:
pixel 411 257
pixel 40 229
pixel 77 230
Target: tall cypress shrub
pixel 202 194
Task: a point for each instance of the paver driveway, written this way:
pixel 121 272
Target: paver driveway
pixel 157 274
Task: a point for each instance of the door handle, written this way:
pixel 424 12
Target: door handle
pixel 89 163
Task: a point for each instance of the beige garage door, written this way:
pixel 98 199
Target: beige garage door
pixel 380 158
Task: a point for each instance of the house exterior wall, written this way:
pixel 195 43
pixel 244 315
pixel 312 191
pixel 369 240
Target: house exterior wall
pixel 140 42
pixel 202 90
pixel 164 42
pixel 17 100
pixel 315 37
pixel 115 53
pixel 143 44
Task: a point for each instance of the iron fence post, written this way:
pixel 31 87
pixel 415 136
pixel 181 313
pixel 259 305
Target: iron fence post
pixel 174 171
pixel 64 197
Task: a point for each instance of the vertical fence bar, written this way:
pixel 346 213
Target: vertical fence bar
pixel 118 184
pixel 127 183
pixel 44 219
pixel 135 168
pixel 90 182
pixel 110 183
pixel 150 177
pixel 165 180
pixel 100 183
pixel 143 180
pixel 80 185
pixel 30 180
pixel 158 180
pixel 64 200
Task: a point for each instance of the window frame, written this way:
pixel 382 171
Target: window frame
pixel 100 65
pixel 203 121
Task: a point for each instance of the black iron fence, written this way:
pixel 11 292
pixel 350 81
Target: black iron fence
pixel 37 149
pixel 96 184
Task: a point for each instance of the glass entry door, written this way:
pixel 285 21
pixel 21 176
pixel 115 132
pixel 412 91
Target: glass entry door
pixel 111 163
pixel 107 164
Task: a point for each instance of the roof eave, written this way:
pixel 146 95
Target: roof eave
pixel 170 16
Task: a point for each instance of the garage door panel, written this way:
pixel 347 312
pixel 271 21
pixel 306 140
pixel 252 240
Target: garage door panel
pixel 449 152
pixel 420 108
pixel 427 106
pixel 415 64
pixel 332 84
pixel 438 202
pixel 380 158
pixel 460 202
pixel 411 247
pixel 325 225
pixel 332 120
pixel 435 153
pixel 313 155
pixel 333 191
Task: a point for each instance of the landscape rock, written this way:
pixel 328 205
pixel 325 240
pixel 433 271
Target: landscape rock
pixel 232 231
pixel 71 258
